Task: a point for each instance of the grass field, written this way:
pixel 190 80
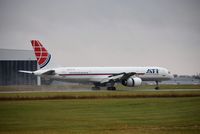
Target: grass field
pixel 98 116
pixel 96 95
pixel 99 112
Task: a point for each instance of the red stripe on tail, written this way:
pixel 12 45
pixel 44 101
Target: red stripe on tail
pixel 42 55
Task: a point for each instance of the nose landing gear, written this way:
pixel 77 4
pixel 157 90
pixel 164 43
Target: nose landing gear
pixel 157 86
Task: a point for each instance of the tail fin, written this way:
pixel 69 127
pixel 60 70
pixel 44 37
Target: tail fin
pixel 41 54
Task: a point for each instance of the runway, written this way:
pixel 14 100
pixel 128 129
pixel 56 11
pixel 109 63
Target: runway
pixel 90 90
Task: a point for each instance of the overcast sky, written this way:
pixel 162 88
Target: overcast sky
pixel 162 33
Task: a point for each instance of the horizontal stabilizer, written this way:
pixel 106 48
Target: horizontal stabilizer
pixel 27 72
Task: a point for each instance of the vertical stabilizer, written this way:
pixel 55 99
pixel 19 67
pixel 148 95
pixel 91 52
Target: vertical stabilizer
pixel 41 54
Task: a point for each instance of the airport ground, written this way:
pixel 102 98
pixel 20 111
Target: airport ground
pixel 87 88
pixel 143 110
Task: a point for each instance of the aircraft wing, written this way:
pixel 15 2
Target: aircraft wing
pixel 117 77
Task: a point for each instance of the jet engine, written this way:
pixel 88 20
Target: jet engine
pixel 132 81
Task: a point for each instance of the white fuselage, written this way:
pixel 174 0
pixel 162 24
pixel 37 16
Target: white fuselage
pixel 97 74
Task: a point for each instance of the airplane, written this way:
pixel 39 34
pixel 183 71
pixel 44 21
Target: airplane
pixel 99 76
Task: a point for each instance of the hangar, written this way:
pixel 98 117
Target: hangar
pixel 13 60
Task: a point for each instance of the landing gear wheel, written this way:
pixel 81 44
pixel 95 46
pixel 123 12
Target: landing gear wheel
pixel 111 88
pixel 157 86
pixel 95 88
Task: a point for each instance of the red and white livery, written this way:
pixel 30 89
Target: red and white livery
pixel 99 76
pixel 41 54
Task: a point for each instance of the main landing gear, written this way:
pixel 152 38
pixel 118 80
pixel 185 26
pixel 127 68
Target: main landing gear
pixel 111 88
pixel 96 88
pixel 157 86
pixel 109 85
pixel 108 88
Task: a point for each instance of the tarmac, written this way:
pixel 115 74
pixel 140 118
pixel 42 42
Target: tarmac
pixel 89 90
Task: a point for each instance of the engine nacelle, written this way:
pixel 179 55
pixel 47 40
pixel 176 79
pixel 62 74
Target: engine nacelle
pixel 132 82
